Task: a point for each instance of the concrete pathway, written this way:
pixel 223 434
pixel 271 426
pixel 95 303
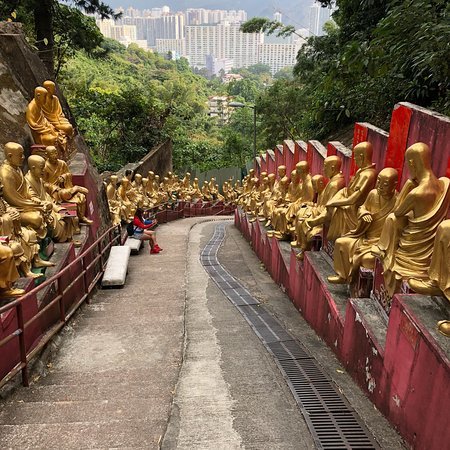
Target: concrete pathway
pixel 167 362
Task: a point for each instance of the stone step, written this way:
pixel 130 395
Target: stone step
pixel 134 244
pixel 117 266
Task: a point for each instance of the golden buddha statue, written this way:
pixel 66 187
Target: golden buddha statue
pixel 196 192
pixel 116 211
pixel 8 273
pixel 438 281
pixel 407 239
pixel 42 130
pixel 53 111
pixel 58 182
pixel 205 192
pixel 353 250
pixel 281 204
pixel 263 212
pixel 185 187
pixel 282 214
pixel 127 206
pixel 22 240
pixel 62 229
pixel 16 193
pixel 270 204
pixel 296 211
pixel 138 189
pixel 259 196
pixel 311 218
pixel 347 201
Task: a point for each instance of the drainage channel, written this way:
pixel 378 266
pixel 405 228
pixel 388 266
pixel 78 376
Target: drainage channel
pixel 330 418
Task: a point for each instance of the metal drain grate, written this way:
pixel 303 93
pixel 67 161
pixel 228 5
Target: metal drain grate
pixel 331 420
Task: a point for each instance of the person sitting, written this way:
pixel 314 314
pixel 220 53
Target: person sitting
pixel 142 231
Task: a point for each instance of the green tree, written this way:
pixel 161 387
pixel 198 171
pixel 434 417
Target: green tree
pixel 44 17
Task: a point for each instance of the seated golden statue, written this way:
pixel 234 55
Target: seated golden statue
pixel 407 239
pixel 259 195
pixel 311 218
pixel 16 193
pixel 53 111
pixel 138 192
pixel 43 132
pixel 127 206
pixel 282 214
pixel 438 281
pixel 353 250
pixel 58 182
pixel 196 192
pixel 22 240
pixel 269 205
pixel 207 197
pixel 116 211
pixel 347 201
pixel 8 273
pixel 306 196
pixel 62 229
pixel 281 203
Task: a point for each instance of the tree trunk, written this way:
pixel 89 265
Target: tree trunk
pixel 43 23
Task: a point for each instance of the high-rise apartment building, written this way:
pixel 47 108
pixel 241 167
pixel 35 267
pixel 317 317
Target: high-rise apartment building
pixel 317 18
pixel 279 56
pixel 177 47
pixel 201 16
pixel 223 41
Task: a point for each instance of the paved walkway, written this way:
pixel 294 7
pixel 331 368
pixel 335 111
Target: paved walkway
pixel 167 362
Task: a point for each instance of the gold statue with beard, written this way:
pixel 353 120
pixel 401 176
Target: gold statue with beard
pixel 353 250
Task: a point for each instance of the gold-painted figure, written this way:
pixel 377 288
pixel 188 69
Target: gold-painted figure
pixel 347 201
pixel 406 242
pixel 353 250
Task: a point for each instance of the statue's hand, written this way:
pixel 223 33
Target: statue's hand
pixel 13 214
pixel 367 218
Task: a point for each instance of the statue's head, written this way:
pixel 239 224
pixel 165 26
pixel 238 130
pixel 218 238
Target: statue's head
pixel 50 87
pixel 387 182
pixel 151 175
pixel 169 175
pixel 271 178
pixel 125 182
pixel 144 181
pixel 332 166
pixel 113 180
pixel 251 173
pixel 14 154
pixel 188 175
pixel 363 153
pixel 302 168
pixel 263 174
pixel 157 177
pixel 52 153
pixel 319 183
pixel 282 171
pixel 36 165
pixel 196 179
pixel 39 95
pixel 284 184
pixel 295 177
pixel 418 158
pixel 138 178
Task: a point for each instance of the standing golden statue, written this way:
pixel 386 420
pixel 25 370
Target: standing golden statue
pixel 406 242
pixel 353 250
pixel 347 201
pixel 116 211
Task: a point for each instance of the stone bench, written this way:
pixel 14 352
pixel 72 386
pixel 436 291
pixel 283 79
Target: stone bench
pixel 134 244
pixel 117 266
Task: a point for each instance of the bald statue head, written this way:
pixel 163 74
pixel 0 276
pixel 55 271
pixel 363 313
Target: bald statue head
pixel 263 174
pixel 295 177
pixel 282 171
pixel 36 165
pixel 138 178
pixel 302 168
pixel 319 183
pixel 387 182
pixel 363 154
pixel 418 158
pixel 39 96
pixel 52 153
pixel 14 154
pixel 271 177
pixel 151 175
pixel 49 86
pixel 332 166
pixel 113 179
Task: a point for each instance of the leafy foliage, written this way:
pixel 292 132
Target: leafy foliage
pixel 377 53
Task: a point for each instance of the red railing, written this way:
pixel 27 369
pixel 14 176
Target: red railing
pixel 83 272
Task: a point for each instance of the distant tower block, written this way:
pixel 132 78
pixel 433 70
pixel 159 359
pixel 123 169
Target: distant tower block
pixel 277 16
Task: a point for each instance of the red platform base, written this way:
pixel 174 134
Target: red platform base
pixel 401 363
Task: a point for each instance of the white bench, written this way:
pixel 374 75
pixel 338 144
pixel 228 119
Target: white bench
pixel 134 244
pixel 117 266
